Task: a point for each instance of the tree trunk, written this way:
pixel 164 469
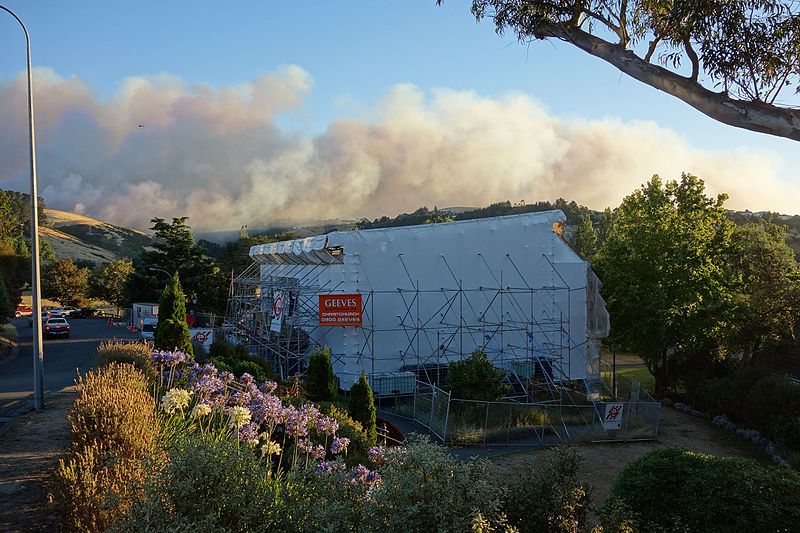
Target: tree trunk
pixel 754 116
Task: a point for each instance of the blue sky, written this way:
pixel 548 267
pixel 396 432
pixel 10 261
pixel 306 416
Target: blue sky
pixel 355 52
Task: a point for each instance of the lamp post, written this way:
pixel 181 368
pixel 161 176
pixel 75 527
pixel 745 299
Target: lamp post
pixel 154 269
pixel 38 354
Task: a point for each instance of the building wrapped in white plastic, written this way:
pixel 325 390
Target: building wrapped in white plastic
pixel 427 295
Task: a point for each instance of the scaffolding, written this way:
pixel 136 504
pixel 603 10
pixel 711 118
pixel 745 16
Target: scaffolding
pixel 523 329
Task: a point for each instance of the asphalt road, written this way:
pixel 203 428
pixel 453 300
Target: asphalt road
pixel 64 359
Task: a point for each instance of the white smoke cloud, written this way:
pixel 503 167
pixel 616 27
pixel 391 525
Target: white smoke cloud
pixel 218 156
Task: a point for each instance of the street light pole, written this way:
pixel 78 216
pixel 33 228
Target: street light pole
pixel 38 354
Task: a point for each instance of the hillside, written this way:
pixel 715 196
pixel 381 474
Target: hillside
pixel 86 239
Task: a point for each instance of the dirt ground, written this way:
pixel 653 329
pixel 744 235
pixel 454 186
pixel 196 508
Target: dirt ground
pixel 29 451
pixel 603 462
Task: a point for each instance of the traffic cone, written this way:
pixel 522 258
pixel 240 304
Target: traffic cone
pixel 133 328
pixel 109 323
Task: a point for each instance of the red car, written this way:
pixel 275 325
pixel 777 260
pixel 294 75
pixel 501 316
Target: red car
pixel 23 310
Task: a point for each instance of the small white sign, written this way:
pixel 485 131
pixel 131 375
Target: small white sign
pixel 277 311
pixel 613 416
pixel 203 336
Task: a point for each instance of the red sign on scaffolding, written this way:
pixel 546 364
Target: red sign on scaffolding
pixel 340 310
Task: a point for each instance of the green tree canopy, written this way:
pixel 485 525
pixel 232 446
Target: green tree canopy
pixel 172 331
pixel 7 308
pixel 665 272
pixel 585 238
pixel 475 378
pixel 64 282
pixel 320 380
pixel 769 307
pixel 175 251
pixel 362 407
pixel 747 50
pixel 108 282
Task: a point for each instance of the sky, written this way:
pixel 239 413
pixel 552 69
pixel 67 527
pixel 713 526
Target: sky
pixel 262 112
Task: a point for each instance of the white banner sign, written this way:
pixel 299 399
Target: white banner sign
pixel 613 416
pixel 203 336
pixel 278 305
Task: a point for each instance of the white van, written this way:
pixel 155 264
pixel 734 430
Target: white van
pixel 148 329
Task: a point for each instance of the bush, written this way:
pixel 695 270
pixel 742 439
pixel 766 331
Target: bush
pixel 210 485
pixel 425 489
pixel 475 378
pixel 136 353
pixel 548 498
pixel 236 360
pixel 115 408
pixel 172 331
pixel 675 489
pixel 115 432
pixel 362 407
pixel 353 430
pixel 320 381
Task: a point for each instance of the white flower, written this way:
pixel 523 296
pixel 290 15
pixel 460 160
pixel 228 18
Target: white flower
pixel 175 400
pixel 239 416
pixel 200 410
pixel 270 448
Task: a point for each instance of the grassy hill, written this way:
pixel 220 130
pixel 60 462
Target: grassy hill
pixel 82 238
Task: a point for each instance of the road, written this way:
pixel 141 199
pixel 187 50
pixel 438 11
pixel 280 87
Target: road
pixel 63 360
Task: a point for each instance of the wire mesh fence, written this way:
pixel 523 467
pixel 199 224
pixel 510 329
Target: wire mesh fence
pixel 634 415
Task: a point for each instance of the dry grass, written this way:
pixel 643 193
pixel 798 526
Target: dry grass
pixel 135 353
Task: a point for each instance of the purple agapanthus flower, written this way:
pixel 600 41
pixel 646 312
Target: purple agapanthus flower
pixel 167 358
pixel 327 467
pixel 339 445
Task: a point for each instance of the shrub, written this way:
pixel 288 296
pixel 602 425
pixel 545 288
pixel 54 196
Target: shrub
pixel 425 489
pixel 114 408
pixel 362 407
pixel 172 331
pixel 236 360
pixel 135 353
pixel 114 430
pixel 209 485
pixel 548 498
pixel 93 486
pixel 320 381
pixel 475 378
pixel 353 430
pixel 673 488
pixel 771 402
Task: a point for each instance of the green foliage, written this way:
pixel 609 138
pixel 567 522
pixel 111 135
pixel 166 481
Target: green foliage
pixel 64 282
pixel 236 360
pixel 362 407
pixel 673 489
pixel 666 275
pixel 175 250
pixel 172 331
pixel 108 282
pixel 210 485
pixel 585 238
pixel 320 380
pixel 426 489
pixel 475 378
pixel 769 304
pixel 548 498
pixel 6 307
pixel 359 440
pixel 137 354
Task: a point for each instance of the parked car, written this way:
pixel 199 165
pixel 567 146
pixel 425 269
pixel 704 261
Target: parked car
pixel 67 310
pixel 45 316
pixel 148 330
pixel 54 327
pixel 23 310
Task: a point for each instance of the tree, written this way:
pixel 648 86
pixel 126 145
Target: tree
pixel 320 380
pixel 172 331
pixel 605 227
pixel 362 407
pixel 475 378
pixel 748 49
pixel 769 306
pixel 585 238
pixel 6 307
pixel 175 250
pixel 665 272
pixel 108 282
pixel 64 282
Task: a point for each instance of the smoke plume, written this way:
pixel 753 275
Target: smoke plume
pixel 160 147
